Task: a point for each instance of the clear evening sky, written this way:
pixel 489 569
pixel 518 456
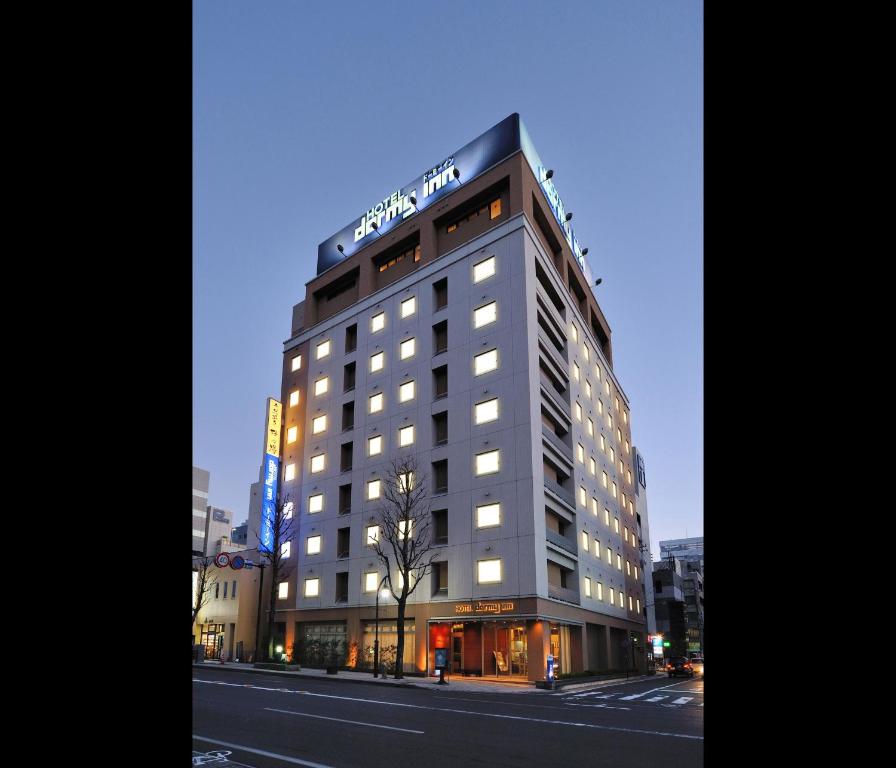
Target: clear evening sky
pixel 305 113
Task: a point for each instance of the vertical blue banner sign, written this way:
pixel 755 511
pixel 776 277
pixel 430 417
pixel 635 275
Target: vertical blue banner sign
pixel 271 474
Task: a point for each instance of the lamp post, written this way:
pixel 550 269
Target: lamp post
pixel 260 566
pixel 376 631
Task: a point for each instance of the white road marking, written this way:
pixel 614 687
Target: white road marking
pixel 683 700
pixel 657 698
pixel 254 751
pixel 600 706
pixel 634 696
pixel 340 720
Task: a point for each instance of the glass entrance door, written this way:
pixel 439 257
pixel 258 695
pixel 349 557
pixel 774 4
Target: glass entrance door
pixel 457 651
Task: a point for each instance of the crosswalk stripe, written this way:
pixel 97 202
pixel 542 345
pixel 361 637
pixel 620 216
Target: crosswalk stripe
pixel 657 698
pixel 634 696
pixel 683 700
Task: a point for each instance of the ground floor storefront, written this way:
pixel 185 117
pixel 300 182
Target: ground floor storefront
pixel 501 639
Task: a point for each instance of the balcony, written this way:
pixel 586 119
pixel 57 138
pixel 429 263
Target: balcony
pixel 556 441
pixel 562 593
pixel 549 350
pixel 561 493
pixel 552 398
pixel 561 541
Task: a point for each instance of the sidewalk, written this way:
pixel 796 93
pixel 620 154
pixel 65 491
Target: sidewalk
pixel 466 684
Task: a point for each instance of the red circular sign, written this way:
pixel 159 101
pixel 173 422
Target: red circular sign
pixel 222 560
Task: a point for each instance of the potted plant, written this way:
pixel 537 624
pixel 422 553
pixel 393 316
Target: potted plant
pixel 336 657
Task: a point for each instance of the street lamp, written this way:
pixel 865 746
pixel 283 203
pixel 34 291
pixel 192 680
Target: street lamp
pixel 376 631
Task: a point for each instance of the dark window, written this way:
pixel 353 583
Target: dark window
pixel 342 587
pixel 440 291
pixel 217 590
pixel 342 542
pixel 440 337
pixel 351 338
pixel 440 475
pixel 225 590
pixel 440 526
pixel 439 579
pixel 348 377
pixel 348 415
pixel 233 590
pixel 345 499
pixel 440 427
pixel 440 382
pixel 345 458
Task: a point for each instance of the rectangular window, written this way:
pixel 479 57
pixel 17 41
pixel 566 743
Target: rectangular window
pixel 607 517
pixel 487 463
pixel 348 416
pixel 319 424
pixel 233 590
pixel 371 581
pixel 484 269
pixel 440 382
pixel 616 524
pixel 405 482
pixel 494 209
pixel 440 337
pixel 408 307
pixel 440 526
pixel 616 399
pixel 321 386
pixel 625 417
pixel 587 587
pixel 297 362
pixel 375 403
pixel 597 371
pixel 293 398
pixel 351 338
pixel 487 313
pixel 373 489
pixel 597 549
pixel 615 490
pixel 378 322
pixel 638 603
pixel 323 349
pixel 590 428
pixel 342 587
pixel 375 445
pixel 488 515
pixel 290 472
pixel 345 499
pixel 217 591
pixel 346 451
pixel 318 462
pixel 225 590
pixel 628 568
pixel 405 529
pixel 621 603
pixel 583 497
pixel 588 389
pixel 283 590
pixel 618 436
pixel 312 545
pixel 618 561
pixel 612 456
pixel 485 362
pixel 580 452
pixel 600 591
pixel 628 448
pixel 440 428
pixel 286 550
pixel 609 555
pixel 373 534
pixel 607 386
pixel 592 466
pixel 292 434
pixel 312 587
pixel 574 333
pixel 440 293
pixel 636 572
pixel 348 377
pixel 440 578
pixel 406 436
pixel 603 443
pixel 377 361
pixel 575 371
pixel 600 405
pixel 604 479
pixel 587 354
pixel 489 571
pixel 406 349
pixel 628 476
pixel 578 412
pixel 315 503
pixel 440 475
pixel 612 596
pixel 406 392
pixel 486 411
pixel 594 506
pixel 585 540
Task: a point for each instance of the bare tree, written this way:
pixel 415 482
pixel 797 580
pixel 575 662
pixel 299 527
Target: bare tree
pixel 206 577
pixel 405 537
pixel 284 528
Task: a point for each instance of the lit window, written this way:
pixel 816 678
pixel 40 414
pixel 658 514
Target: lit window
pixel 487 463
pixel 616 524
pixel 485 314
pixel 587 587
pixel 312 587
pixel 625 417
pixel 590 428
pixel 588 389
pixel 628 476
pixel 600 405
pixel 594 506
pixel 580 452
pixel 583 497
pixel 597 371
pixel 318 462
pixel 603 443
pixel 628 448
pixel 618 561
pixel 373 534
pixel 612 456
pixel 405 529
pixel 578 412
pixel 376 403
pixel 636 576
pixel 618 436
pixel 409 306
pixel 323 349
pixel 607 517
pixel 292 434
pixel 623 506
pixel 293 398
pixel 406 392
pixel 312 545
pixel 494 209
pixel 600 591
pixel 609 556
pixel 617 403
pixel 290 472
pixel 375 445
pixel 486 411
pixel 371 581
pixel 592 466
pixel 615 492
pixel 597 549
pixel 315 503
pixel 406 436
pixel 585 540
pixel 607 386
pixel 484 269
pixel 378 322
pixel 621 602
pixel 612 596
pixel 604 479
pixel 373 489
pixel 575 371
pixel 485 362
pixel 610 420
pixel 285 550
pixel 631 507
pixel 488 515
pixel 399 581
pixel 407 349
pixel 638 603
pixel 489 571
pixel 297 362
pixel 625 534
pixel 587 354
pixel 628 568
pixel 575 333
pixel 283 590
pixel 321 386
pixel 406 482
pixel 620 468
pixel 377 361
pixel 287 510
pixel 319 424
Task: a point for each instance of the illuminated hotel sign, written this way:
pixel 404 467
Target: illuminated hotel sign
pixel 503 606
pixel 556 204
pixel 271 473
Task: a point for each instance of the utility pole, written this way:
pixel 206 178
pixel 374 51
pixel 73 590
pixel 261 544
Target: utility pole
pixel 260 566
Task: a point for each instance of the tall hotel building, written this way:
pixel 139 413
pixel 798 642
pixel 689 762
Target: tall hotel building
pixel 461 326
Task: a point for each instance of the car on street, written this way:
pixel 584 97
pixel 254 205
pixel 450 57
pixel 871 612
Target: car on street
pixel 697 665
pixel 679 665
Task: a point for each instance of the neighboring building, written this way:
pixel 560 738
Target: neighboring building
pixel 200 506
pixel 217 526
pixel 671 623
pixel 643 520
pixel 239 534
pixel 690 550
pixel 465 330
pixel 690 553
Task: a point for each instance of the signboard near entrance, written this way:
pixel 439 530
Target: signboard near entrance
pixel 480 606
pixel 441 658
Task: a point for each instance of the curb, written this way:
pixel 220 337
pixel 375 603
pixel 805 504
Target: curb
pixel 334 678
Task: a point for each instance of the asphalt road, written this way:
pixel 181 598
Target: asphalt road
pixel 267 721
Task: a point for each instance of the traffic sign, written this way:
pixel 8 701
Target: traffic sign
pixel 222 560
pixel 237 562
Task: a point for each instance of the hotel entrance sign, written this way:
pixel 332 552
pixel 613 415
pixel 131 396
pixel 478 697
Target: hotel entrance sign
pixel 480 607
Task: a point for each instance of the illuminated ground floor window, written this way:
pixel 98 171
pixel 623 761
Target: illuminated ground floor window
pixel 388 637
